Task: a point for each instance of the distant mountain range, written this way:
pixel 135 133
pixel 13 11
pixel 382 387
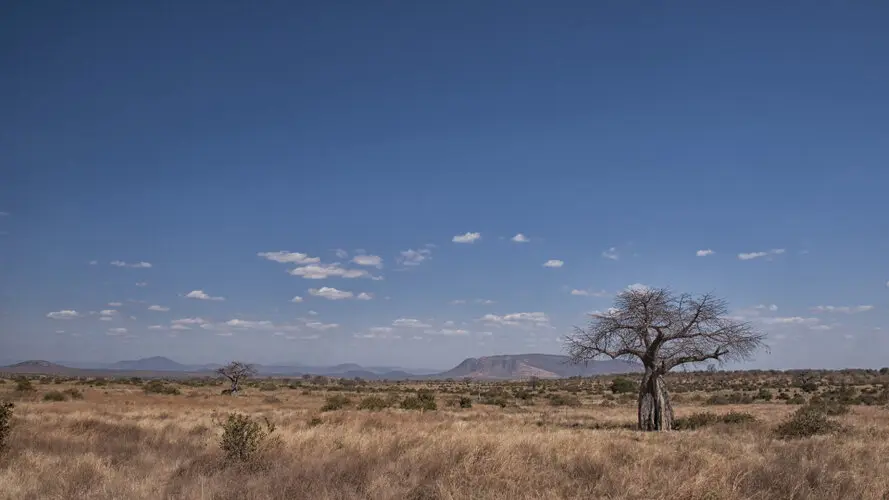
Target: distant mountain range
pixel 502 367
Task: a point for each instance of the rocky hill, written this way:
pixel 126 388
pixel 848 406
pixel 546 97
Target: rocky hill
pixel 517 366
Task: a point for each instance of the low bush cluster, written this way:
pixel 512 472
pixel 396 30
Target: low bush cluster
pixel 243 438
pixel 704 419
pixel 807 421
pixel 159 387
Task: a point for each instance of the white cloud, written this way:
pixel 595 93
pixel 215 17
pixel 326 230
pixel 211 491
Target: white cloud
pixel 286 257
pixel 412 257
pixel 791 320
pixel 296 299
pixel 190 321
pixel 520 238
pixel 135 265
pixel 382 329
pixel 251 325
pixel 458 301
pixel 108 312
pixel 589 293
pixel 373 335
pixel 704 253
pixel 141 283
pixel 772 307
pixel 313 313
pixel 115 304
pixel 105 318
pixel 179 327
pixel 364 296
pixel 157 327
pixel 638 287
pixel 410 323
pixel 66 314
pixel 368 260
pixel 611 253
pixel 317 325
pixel 330 293
pixel 486 302
pixel 341 254
pixel 757 255
pixel 466 238
pixel 821 327
pixel 526 319
pixel 94 262
pixel 200 295
pixel 158 308
pixel 322 271
pixel 843 309
pixel 553 263
pixel 447 332
pixel 116 331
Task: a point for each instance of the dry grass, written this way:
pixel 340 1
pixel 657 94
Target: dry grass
pixel 119 443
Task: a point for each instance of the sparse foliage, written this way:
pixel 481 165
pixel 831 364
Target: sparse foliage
pixel 805 422
pixel 236 372
pixel 242 437
pixel 54 396
pixel 159 387
pixel 336 402
pixel 663 330
pixel 6 408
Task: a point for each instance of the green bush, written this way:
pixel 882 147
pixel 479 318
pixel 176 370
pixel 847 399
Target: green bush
pixel 622 385
pixel 705 419
pixel 336 402
pixel 159 387
pixel 268 386
pixel 465 402
pixel 373 403
pixel 24 385
pixel 5 422
pixel 243 438
pixel 424 400
pixel 54 396
pixel 73 393
pixel 805 422
pixel 563 400
pixel 764 394
pixel 797 399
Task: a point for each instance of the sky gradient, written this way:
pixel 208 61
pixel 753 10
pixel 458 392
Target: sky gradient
pixel 436 181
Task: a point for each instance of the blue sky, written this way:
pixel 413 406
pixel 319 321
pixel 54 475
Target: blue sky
pixel 619 139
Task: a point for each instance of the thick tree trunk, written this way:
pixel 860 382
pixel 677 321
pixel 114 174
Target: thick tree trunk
pixel 655 411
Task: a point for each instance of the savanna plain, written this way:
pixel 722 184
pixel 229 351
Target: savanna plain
pixel 738 435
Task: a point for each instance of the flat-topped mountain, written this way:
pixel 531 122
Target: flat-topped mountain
pixel 512 366
pixel 154 364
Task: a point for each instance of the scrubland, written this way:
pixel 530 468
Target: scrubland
pixel 536 440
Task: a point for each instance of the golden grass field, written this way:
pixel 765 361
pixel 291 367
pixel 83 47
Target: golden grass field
pixel 120 443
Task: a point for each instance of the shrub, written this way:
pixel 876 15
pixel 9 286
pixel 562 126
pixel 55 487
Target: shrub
pixel 829 407
pixel 336 402
pixel 622 385
pixel 73 393
pixel 315 421
pixel 271 400
pixel 268 386
pixel 705 419
pixel 242 437
pixel 159 387
pixel 24 385
pixel 563 400
pixel 424 400
pixel 373 403
pixel 54 396
pixel 465 402
pixel 797 399
pixel 5 422
pixel 764 394
pixel 805 422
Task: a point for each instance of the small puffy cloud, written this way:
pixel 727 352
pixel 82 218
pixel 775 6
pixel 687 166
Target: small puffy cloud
pixel 108 312
pixel 447 332
pixel 553 263
pixel 117 331
pixel 409 323
pixel 158 308
pixel 412 257
pixel 368 260
pixel 485 302
pixel 330 293
pixel 141 283
pixel 179 327
pixel 94 262
pixel 466 238
pixel 526 319
pixel 115 304
pixel 296 299
pixel 771 307
pixel 757 255
pixel 589 293
pixel 843 309
pixel 790 320
pixel 638 287
pixel 286 257
pixel 189 321
pixel 65 314
pixel 313 313
pixel 240 323
pixel 317 325
pixel 341 254
pixel 382 329
pixel 376 335
pixel 364 296
pixel 704 253
pixel 323 271
pixel 611 253
pixel 458 301
pixel 157 327
pixel 200 295
pixel 520 238
pixel 135 265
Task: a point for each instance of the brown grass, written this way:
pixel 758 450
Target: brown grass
pixel 119 443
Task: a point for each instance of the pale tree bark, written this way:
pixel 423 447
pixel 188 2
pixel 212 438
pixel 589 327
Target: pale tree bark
pixel 655 411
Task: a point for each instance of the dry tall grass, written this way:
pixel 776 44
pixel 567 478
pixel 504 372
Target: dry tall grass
pixel 119 443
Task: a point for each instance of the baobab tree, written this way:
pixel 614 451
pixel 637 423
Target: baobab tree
pixel 663 330
pixel 236 372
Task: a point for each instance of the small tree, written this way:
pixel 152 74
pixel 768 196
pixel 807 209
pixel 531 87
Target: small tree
pixel 236 372
pixel 663 330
